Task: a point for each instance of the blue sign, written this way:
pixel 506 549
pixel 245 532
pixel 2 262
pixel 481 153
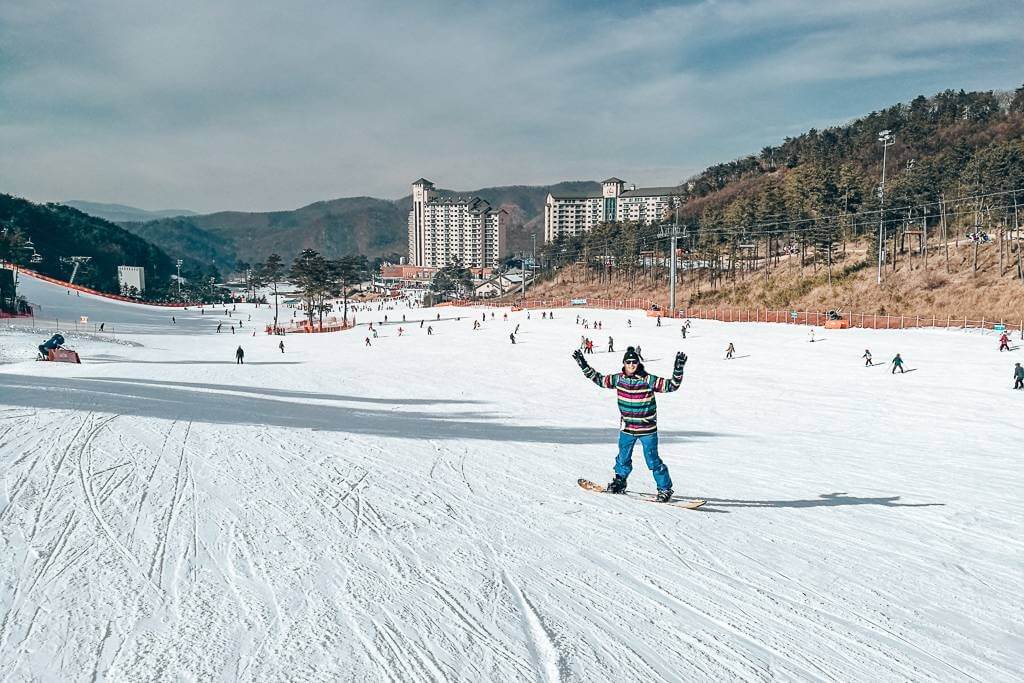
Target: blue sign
pixel 794 315
pixel 578 302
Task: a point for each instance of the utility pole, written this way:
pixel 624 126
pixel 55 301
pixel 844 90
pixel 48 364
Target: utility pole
pixel 886 138
pixel 673 235
pixel 179 279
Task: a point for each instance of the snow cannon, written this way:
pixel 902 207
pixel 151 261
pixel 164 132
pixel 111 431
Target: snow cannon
pixel 53 350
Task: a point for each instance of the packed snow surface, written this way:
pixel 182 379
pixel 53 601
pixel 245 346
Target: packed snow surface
pixel 409 511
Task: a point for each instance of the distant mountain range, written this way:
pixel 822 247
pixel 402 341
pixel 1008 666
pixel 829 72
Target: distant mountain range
pixel 119 213
pixel 336 227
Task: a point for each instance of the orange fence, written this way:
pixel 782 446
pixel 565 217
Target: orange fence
pixel 865 320
pixel 876 321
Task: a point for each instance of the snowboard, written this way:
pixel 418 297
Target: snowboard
pixel 646 497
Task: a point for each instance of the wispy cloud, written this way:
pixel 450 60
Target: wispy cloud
pixel 236 105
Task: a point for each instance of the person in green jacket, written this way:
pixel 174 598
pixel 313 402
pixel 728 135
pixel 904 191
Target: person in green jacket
pixel 897 362
pixel 1018 377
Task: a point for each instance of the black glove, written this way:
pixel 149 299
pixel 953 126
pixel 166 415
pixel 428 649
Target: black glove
pixel 577 356
pixel 680 361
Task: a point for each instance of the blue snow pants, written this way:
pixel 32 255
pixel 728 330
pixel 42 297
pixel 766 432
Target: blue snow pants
pixel 624 461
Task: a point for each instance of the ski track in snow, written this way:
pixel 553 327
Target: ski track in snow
pixel 409 512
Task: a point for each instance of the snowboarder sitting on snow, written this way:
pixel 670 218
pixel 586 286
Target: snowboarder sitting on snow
pixel 636 389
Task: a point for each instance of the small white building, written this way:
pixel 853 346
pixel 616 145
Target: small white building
pixel 502 283
pixel 131 276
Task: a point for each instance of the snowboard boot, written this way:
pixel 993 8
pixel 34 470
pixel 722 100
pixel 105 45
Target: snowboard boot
pixel 617 485
pixel 664 495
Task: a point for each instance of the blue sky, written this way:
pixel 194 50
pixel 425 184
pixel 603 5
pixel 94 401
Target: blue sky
pixel 236 105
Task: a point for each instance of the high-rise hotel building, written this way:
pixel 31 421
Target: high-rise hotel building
pixel 442 229
pixel 575 213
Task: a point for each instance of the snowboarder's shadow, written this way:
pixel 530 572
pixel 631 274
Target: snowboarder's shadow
pixel 873 365
pixel 824 500
pixel 905 371
pixel 738 357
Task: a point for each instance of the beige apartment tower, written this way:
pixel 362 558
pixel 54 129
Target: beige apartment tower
pixel 443 229
pixel 575 213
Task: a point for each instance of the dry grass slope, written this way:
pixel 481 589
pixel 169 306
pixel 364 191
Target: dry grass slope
pixel 912 289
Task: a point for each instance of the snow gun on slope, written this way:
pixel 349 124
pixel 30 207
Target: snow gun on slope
pixel 54 350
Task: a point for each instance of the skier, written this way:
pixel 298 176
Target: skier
pixel 683 331
pixel 897 362
pixel 639 353
pixel 421 324
pixel 239 356
pixel 636 389
pixel 173 321
pixel 219 325
pixel 368 341
pixel 629 322
pixel 430 330
pixel 512 337
pixel 1018 377
pixel 812 334
pixel 232 329
pixel 102 325
pixel 659 322
pixel 516 331
pixel 400 330
pixel 611 345
pixel 867 358
pixel 1004 342
pixel 543 315
pixel 729 351
pixel 281 346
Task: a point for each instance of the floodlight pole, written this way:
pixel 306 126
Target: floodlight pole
pixel 886 138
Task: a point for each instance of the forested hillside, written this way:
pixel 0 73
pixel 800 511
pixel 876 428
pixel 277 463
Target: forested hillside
pixel 59 231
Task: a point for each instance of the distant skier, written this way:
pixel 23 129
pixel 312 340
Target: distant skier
pixel 867 358
pixel 812 334
pixel 1018 377
pixel 543 315
pixel 239 356
pixel 730 351
pixel 659 322
pixel 683 331
pixel 219 325
pixel 232 329
pixel 639 353
pixel 421 324
pixel 629 322
pixel 636 389
pixel 430 330
pixel 281 345
pixel 516 331
pixel 1004 342
pixel 611 345
pixel 102 325
pixel 512 337
pixel 173 320
pixel 897 362
pixel 368 341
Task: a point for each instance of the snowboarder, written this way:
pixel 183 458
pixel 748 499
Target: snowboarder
pixel 281 346
pixel 512 337
pixel 730 351
pixel 1018 377
pixel 430 330
pixel 812 334
pixel 219 325
pixel 1004 342
pixel 368 341
pixel 636 389
pixel 659 322
pixel 516 331
pixel 421 324
pixel 102 325
pixel 173 321
pixel 232 329
pixel 897 362
pixel 867 358
pixel 640 353
pixel 629 322
pixel 400 331
pixel 239 356
pixel 683 331
pixel 543 315
pixel 611 345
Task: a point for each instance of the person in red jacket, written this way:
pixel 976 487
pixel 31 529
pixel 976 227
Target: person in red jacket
pixel 1004 342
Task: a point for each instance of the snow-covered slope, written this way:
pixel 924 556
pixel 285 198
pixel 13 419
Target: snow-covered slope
pixel 409 511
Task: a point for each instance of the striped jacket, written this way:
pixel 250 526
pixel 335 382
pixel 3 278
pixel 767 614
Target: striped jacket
pixel 636 397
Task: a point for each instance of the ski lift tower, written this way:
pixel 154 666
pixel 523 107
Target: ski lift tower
pixel 77 262
pixel 673 232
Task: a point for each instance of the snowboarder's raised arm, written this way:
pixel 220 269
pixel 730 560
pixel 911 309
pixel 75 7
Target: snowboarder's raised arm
pixel 604 381
pixel 664 386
